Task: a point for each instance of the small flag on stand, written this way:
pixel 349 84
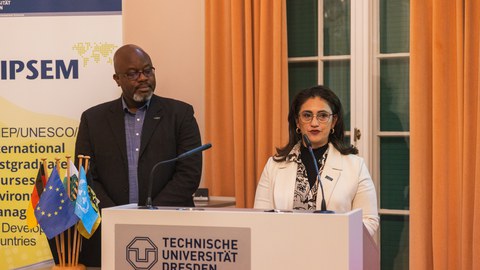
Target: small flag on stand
pixel 83 207
pixel 71 184
pixel 36 193
pixel 55 212
pixel 94 202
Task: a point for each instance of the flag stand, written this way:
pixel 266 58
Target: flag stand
pixel 68 242
pixel 72 245
pixel 76 267
pixel 66 211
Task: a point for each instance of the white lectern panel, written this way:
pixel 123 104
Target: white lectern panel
pixel 288 240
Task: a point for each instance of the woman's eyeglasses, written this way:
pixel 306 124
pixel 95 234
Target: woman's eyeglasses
pixel 322 117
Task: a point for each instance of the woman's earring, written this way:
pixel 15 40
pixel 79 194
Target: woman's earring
pixel 298 131
pixel 332 131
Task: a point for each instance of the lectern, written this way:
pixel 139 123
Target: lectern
pixel 230 238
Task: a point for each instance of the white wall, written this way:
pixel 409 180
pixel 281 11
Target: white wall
pixel 173 33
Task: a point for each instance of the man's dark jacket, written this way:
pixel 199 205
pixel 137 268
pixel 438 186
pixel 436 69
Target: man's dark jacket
pixel 169 129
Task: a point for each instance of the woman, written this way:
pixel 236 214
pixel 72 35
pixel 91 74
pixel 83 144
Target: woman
pixel 289 178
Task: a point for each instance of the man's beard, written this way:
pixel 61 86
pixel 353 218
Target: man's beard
pixel 142 98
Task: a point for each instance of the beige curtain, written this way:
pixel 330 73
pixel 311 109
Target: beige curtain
pixel 445 135
pixel 246 93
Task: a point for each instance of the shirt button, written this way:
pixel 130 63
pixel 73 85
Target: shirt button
pixel 138 119
pixel 137 134
pixel 136 149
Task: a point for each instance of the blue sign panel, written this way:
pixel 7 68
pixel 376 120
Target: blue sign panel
pixel 32 7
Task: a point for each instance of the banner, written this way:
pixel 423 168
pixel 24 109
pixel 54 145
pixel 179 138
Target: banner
pixel 56 61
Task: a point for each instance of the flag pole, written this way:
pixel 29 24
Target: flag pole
pixel 62 236
pixel 87 159
pixel 74 246
pixel 68 175
pixel 79 237
pixel 69 235
pixel 57 244
pixel 72 254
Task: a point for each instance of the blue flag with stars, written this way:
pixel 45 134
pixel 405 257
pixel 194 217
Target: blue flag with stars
pixel 55 212
pixel 83 207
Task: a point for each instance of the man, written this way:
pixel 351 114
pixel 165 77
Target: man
pixel 126 137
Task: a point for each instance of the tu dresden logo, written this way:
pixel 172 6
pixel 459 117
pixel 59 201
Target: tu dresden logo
pixel 141 253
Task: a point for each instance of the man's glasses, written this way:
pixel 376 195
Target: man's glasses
pixel 133 75
pixel 322 117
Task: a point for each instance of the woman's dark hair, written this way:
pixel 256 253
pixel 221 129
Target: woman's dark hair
pixel 337 138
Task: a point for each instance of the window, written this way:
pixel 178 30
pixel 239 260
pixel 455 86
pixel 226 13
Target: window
pixel 360 49
pixel 391 67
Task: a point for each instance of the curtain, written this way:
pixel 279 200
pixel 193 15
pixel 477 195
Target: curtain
pixel 246 93
pixel 445 134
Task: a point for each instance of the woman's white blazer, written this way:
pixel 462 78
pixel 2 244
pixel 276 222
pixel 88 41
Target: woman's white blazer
pixel 346 182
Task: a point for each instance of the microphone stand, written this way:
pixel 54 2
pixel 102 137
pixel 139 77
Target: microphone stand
pixel 149 203
pixel 323 207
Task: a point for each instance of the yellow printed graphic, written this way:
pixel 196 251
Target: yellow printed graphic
pixel 25 138
pixel 95 51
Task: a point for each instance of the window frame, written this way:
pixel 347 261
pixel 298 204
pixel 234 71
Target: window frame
pixel 365 58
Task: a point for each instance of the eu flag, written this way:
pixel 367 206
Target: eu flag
pixel 55 212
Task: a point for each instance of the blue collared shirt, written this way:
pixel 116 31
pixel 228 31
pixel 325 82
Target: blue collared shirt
pixel 133 133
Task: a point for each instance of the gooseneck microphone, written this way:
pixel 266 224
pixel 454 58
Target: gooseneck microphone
pixel 323 207
pixel 149 203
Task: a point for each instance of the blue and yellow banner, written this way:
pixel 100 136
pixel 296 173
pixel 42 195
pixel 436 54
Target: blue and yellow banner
pixel 56 61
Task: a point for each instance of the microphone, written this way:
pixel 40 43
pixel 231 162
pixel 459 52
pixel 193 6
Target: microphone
pixel 149 203
pixel 323 207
